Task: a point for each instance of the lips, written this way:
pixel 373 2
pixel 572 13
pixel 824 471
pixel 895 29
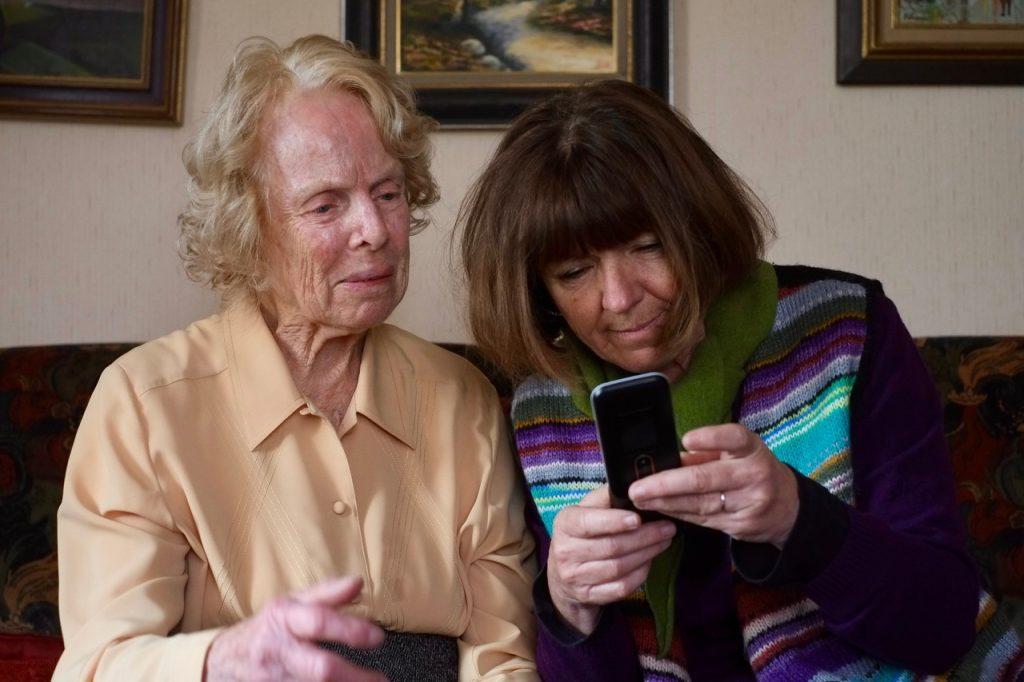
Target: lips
pixel 368 275
pixel 642 327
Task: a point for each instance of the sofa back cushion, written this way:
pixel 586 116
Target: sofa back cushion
pixel 981 384
pixel 44 390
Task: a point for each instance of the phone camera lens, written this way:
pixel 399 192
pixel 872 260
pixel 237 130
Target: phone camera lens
pixel 644 466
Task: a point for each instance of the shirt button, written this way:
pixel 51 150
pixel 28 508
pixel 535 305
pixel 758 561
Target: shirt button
pixel 340 508
pixel 304 410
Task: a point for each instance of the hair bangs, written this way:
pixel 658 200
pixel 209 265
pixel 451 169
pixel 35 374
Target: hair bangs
pixel 570 223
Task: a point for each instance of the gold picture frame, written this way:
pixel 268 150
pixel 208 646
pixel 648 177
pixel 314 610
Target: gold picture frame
pixel 930 41
pixel 444 55
pixel 109 60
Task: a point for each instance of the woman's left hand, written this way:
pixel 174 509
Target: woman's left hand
pixel 729 481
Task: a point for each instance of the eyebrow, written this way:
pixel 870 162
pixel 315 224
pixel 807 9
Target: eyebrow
pixel 395 173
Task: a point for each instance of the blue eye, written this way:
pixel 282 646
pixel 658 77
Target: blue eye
pixel 322 209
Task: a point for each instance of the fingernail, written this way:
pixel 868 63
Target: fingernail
pixel 633 521
pixel 668 530
pixel 638 490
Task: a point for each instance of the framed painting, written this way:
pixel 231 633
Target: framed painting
pixel 930 41
pixel 93 60
pixel 478 63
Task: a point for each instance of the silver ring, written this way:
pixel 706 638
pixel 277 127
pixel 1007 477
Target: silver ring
pixel 721 496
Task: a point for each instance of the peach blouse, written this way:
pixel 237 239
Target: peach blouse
pixel 202 484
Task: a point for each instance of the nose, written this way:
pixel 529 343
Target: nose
pixel 369 227
pixel 620 288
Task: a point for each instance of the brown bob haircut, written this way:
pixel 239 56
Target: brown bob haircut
pixel 589 169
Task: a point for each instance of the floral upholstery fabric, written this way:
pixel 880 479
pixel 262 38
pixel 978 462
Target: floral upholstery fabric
pixel 981 383
pixel 44 390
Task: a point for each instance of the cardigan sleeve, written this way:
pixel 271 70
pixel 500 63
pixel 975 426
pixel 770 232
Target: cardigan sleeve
pixel 902 586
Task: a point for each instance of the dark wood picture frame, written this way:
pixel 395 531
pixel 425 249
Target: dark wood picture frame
pixel 861 60
pixel 158 98
pixel 495 104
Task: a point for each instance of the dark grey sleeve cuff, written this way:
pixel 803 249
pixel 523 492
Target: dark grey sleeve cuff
pixel 547 614
pixel 822 524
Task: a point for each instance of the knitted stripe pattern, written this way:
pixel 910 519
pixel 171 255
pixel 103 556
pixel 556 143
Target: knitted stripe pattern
pixel 796 396
pixel 561 461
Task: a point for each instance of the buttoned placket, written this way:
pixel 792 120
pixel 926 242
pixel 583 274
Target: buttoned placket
pixel 344 507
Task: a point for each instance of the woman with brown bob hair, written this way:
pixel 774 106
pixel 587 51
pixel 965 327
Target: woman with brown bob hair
pixel 605 238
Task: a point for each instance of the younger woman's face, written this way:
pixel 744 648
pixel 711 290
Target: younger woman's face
pixel 616 301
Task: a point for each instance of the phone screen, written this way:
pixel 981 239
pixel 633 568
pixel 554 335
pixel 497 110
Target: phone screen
pixel 635 430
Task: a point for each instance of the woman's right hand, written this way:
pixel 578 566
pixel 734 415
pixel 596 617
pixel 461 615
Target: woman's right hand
pixel 279 642
pixel 599 555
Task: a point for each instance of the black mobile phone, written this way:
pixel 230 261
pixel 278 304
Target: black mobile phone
pixel 636 431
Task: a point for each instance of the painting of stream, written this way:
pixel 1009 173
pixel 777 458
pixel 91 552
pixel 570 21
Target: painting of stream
pixel 554 36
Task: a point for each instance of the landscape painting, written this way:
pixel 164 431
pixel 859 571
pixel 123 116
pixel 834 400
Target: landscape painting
pixel 965 13
pixel 82 43
pixel 479 63
pixel 538 36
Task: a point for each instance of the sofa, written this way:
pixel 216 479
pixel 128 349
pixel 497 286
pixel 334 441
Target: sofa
pixel 44 391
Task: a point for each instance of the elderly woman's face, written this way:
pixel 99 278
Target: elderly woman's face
pixel 338 237
pixel 616 301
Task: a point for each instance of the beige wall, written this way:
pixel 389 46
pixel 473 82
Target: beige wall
pixel 920 187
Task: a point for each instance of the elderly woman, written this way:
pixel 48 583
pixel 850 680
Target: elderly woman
pixel 815 496
pixel 293 471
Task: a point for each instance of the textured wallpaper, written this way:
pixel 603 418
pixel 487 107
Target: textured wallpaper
pixel 919 187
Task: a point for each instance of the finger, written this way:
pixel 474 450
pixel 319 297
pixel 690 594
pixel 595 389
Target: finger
pixel 315 622
pixel 690 459
pixel 308 662
pixel 606 593
pixel 331 592
pixel 618 545
pixel 598 497
pixel 732 438
pixel 612 570
pixel 711 477
pixel 591 522
pixel 699 505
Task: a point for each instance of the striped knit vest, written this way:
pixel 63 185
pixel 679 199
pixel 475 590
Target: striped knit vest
pixel 797 397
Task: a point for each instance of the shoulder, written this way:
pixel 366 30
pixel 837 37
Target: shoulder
pixel 541 398
pixel 192 353
pixel 810 297
pixel 411 355
pixel 790 276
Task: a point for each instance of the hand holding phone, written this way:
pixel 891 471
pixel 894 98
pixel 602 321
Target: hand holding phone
pixel 636 432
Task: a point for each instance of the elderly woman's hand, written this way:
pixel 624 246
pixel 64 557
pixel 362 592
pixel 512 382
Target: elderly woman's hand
pixel 599 555
pixel 729 481
pixel 279 642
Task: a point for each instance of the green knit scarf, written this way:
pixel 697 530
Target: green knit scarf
pixel 735 325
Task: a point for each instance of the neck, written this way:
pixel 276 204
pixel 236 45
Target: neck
pixel 323 361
